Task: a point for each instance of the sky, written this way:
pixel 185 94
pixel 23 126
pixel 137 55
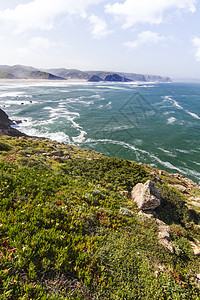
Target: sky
pixel 159 37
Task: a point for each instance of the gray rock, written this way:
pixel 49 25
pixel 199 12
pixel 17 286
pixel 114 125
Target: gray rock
pixel 148 214
pixel 146 195
pixel 195 246
pixel 126 212
pixel 179 187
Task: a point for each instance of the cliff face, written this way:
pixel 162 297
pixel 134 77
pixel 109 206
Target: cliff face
pixel 5 126
pixel 4 120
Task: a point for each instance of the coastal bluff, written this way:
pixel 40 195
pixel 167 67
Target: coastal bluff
pixel 72 218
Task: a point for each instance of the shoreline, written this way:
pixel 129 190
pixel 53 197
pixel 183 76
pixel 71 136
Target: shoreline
pixel 40 80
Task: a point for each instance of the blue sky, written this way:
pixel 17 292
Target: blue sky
pixel 142 36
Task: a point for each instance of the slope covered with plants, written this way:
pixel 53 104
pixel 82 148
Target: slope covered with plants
pixel 69 229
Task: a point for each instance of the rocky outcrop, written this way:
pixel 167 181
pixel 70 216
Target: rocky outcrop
pixel 5 126
pixel 146 195
pixel 116 77
pixel 179 187
pixel 4 120
pixel 147 199
pixel 164 235
pixel 94 78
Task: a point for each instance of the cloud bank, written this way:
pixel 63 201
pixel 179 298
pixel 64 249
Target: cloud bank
pixel 132 12
pixel 100 27
pixel 145 38
pixel 41 14
pixel 196 44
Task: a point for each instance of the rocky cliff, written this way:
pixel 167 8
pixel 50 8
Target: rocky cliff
pixel 6 126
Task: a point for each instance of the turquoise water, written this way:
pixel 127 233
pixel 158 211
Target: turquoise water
pixel 157 124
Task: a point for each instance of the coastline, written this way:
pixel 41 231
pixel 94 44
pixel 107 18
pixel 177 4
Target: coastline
pixel 38 80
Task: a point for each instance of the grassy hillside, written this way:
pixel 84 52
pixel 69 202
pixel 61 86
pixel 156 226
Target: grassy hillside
pixel 6 75
pixel 69 230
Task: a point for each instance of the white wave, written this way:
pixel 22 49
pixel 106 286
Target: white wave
pixel 196 163
pixel 167 98
pixel 109 104
pixel 27 127
pixel 74 124
pixel 59 137
pixel 168 152
pixel 77 100
pixel 168 112
pixel 114 142
pixel 80 138
pixel 8 103
pixel 171 120
pixel 46 122
pixel 47 108
pixel 167 164
pixel 183 151
pixel 172 101
pixel 60 112
pixel 15 95
pixel 176 104
pixel 193 115
pixel 193 173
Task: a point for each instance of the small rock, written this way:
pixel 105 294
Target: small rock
pixel 126 212
pixel 56 153
pixel 124 193
pixel 95 192
pixel 147 214
pixel 195 248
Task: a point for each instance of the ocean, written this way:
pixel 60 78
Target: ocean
pixel 153 123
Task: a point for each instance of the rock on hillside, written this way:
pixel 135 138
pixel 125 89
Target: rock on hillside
pixel 146 195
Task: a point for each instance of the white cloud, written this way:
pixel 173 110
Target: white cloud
pixel 36 44
pixel 145 37
pixel 196 44
pixel 100 27
pixel 145 11
pixel 41 14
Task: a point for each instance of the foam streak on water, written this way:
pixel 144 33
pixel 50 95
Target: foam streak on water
pixel 157 124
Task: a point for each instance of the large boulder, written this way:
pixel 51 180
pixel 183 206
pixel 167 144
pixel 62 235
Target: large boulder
pixel 146 195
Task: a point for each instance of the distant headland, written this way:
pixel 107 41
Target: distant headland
pixel 26 72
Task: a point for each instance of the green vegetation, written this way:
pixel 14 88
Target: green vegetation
pixel 5 75
pixel 63 235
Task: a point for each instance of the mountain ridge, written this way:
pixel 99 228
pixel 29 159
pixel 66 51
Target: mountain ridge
pixel 28 72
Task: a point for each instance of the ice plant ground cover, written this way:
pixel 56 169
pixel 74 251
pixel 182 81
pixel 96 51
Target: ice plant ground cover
pixel 62 235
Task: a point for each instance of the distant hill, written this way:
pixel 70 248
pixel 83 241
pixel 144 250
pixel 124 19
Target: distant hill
pixel 6 75
pixel 28 72
pixel 25 72
pixel 94 76
pixel 68 74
